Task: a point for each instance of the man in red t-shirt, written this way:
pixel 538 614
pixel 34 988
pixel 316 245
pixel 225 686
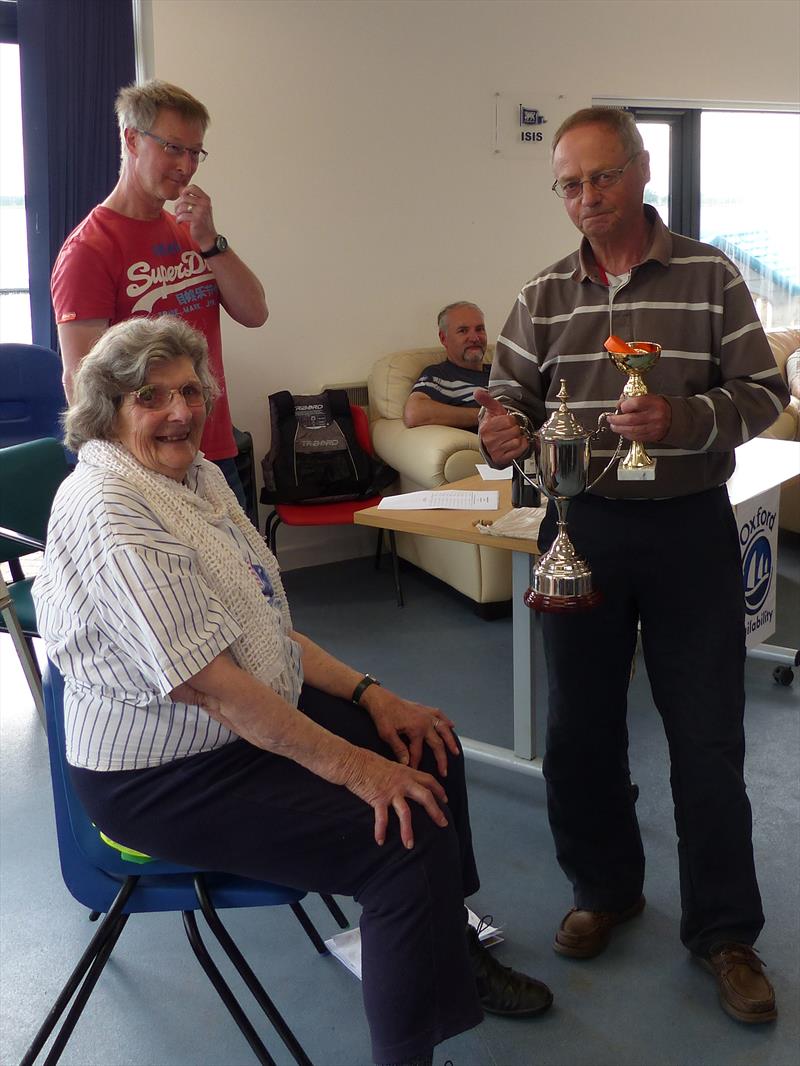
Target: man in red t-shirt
pixel 130 257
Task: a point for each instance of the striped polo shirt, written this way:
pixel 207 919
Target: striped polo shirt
pixel 447 383
pixel 716 367
pixel 126 617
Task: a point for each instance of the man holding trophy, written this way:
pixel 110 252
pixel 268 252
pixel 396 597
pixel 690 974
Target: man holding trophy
pixel 657 532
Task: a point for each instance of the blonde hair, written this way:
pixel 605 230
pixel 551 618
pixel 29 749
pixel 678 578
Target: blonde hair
pixel 613 118
pixel 137 106
pixel 119 363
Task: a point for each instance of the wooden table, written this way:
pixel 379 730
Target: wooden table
pixel 529 684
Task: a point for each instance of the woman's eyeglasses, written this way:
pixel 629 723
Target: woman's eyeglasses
pixel 157 397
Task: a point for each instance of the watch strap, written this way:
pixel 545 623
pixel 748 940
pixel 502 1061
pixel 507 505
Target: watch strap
pixel 220 245
pixel 361 688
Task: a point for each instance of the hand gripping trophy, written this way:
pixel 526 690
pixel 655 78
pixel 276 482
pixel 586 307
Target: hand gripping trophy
pixel 634 359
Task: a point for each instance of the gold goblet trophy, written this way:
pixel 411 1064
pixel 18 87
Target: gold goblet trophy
pixel 634 359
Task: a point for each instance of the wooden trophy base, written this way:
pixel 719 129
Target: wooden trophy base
pixel 537 601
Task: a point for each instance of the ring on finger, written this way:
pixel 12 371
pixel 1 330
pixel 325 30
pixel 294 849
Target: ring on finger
pixel 436 722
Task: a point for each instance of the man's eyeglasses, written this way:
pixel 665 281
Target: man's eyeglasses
pixel 157 397
pixel 604 179
pixel 175 151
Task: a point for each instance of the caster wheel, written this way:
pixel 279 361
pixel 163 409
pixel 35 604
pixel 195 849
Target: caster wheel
pixel 783 675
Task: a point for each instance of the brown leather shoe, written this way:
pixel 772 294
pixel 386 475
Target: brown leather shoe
pixel 584 934
pixel 744 991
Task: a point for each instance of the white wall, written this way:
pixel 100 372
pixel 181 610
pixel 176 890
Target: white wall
pixel 351 151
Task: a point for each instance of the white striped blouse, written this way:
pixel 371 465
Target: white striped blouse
pixel 126 617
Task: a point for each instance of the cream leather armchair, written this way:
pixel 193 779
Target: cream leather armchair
pixel 787 426
pixel 428 457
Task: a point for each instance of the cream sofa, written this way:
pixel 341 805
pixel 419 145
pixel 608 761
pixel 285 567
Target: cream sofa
pixel 787 426
pixel 428 457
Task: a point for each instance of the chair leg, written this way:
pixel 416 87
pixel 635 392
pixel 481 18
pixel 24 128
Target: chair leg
pixel 25 651
pixel 89 967
pixel 245 972
pixel 308 925
pixel 223 991
pixel 271 530
pixel 339 916
pixel 396 569
pixel 83 993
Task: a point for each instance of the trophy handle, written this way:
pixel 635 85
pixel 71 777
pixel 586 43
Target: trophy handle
pixel 526 477
pixel 601 424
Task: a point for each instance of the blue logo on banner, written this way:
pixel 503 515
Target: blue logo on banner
pixel 757 572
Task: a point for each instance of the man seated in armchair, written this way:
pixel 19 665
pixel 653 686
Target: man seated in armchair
pixel 443 393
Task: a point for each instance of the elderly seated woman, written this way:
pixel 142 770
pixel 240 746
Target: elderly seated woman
pixel 203 729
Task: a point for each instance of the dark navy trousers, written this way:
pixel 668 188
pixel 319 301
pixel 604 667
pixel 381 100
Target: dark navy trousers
pixel 673 565
pixel 249 812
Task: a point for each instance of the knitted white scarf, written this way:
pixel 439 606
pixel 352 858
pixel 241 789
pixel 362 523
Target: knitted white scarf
pixel 197 519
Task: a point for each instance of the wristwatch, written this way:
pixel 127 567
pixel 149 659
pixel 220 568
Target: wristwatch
pixel 220 245
pixel 361 688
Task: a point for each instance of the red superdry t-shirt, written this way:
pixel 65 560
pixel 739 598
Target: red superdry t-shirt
pixel 116 267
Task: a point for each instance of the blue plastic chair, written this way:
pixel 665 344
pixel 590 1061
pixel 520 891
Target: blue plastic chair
pixel 102 880
pixel 31 393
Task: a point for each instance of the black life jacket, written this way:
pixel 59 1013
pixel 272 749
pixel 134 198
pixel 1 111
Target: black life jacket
pixel 314 456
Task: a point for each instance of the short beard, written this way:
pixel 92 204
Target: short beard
pixel 473 355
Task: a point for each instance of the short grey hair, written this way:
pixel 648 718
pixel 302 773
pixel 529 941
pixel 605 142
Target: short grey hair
pixel 119 362
pixel 613 118
pixel 137 106
pixel 441 318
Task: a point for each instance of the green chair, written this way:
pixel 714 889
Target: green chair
pixel 30 474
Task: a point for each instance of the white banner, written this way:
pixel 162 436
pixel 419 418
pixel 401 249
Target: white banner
pixel 757 521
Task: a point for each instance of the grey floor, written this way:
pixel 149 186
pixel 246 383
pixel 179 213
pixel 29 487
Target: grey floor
pixel 642 1003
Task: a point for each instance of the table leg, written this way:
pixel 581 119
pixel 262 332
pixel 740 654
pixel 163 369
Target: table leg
pixel 529 683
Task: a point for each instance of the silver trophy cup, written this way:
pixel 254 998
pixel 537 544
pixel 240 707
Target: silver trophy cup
pixel 561 580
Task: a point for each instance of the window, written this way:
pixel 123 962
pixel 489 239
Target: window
pixel 15 309
pixel 730 178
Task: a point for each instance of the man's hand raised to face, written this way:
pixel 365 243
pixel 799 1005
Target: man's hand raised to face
pixel 193 208
pixel 500 433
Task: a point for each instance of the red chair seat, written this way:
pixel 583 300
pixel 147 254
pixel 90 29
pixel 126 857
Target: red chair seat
pixel 339 513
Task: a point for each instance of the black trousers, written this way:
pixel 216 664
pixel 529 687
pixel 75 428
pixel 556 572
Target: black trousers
pixel 674 565
pixel 249 812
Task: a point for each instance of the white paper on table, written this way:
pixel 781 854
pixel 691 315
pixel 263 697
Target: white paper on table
pixel 518 522
pixel 442 499
pixel 488 473
pixel 346 946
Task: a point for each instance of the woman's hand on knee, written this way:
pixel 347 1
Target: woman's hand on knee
pixel 385 785
pixel 405 726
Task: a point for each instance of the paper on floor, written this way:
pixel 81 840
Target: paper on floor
pixel 346 946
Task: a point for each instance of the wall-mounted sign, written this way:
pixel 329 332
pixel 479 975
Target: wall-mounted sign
pixel 530 116
pixel 524 122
